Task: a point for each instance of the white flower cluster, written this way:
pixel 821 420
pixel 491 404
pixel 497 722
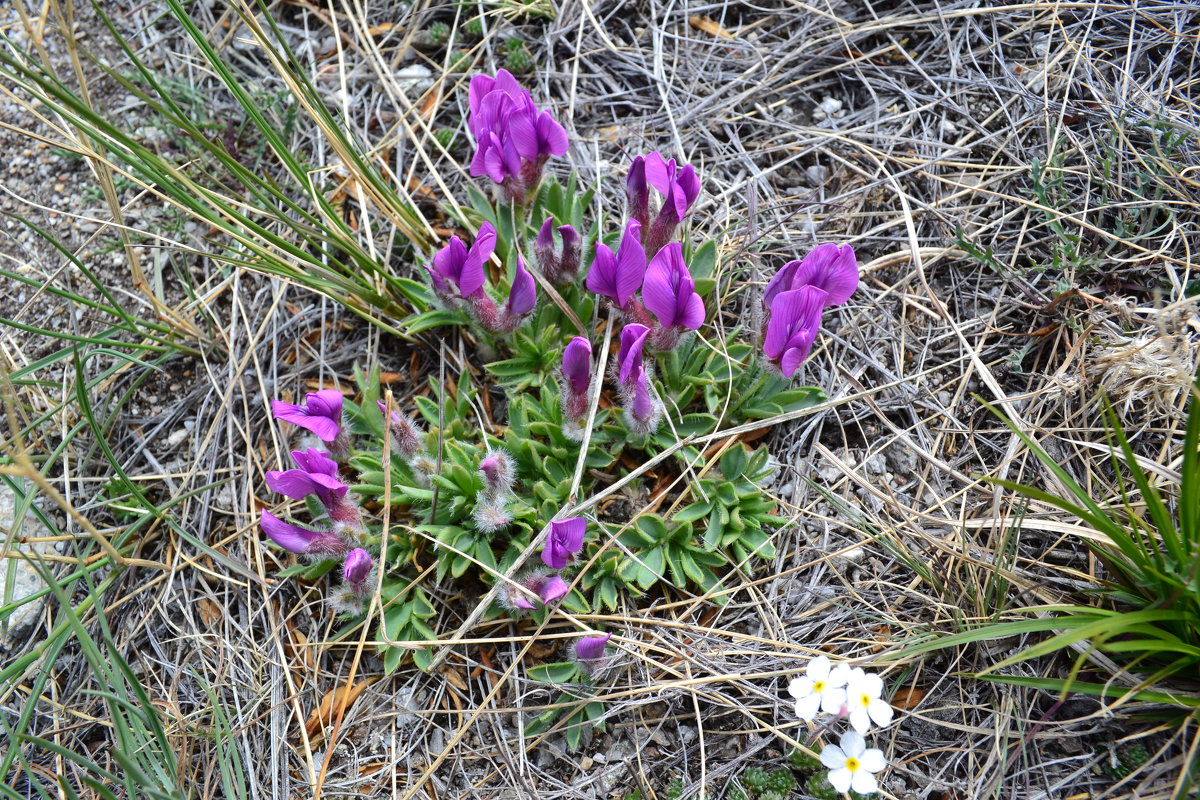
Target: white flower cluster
pixel 845 691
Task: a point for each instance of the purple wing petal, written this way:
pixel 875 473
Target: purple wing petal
pixel 689 182
pixel 602 276
pixel 589 648
pixel 473 276
pixel 325 403
pixel 522 131
pixel 545 237
pixel 570 533
pixel 315 461
pixel 577 364
pixel 288 536
pixel 358 566
pixel 553 588
pixel 629 356
pixel 691 316
pixel 643 403
pixel 831 267
pixel 659 172
pixel 294 483
pixel 660 286
pixel 554 555
pixel 552 137
pixel 781 282
pixel 448 261
pixel 637 193
pixel 631 263
pixel 523 295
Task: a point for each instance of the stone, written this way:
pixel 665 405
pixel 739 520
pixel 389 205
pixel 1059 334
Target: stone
pixel 18 577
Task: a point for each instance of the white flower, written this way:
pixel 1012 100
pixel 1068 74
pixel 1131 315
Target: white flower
pixel 863 701
pixel 853 766
pixel 820 689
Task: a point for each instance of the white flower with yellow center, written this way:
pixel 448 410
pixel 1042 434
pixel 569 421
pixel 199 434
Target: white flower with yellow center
pixel 819 689
pixel 864 703
pixel 853 766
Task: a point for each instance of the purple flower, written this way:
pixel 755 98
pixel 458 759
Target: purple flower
pixel 523 295
pixel 629 356
pixel 679 188
pixel 405 435
pixel 514 139
pixel 558 267
pixel 302 540
pixel 619 277
pixel 317 476
pixel 564 541
pixel 458 272
pixel 828 266
pixel 357 569
pixel 792 328
pixel 637 193
pixel 669 291
pixel 643 411
pixel 499 472
pixel 548 588
pixel 591 648
pixel 320 413
pixel 577 365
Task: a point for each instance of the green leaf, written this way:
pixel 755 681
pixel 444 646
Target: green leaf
pixel 427 320
pixel 652 527
pixel 704 261
pixel 558 672
pixel 692 512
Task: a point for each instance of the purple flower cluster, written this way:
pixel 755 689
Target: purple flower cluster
pixel 797 296
pixel 678 186
pixel 564 541
pixel 459 278
pixel 558 264
pixel 513 138
pixel 316 476
pixel 668 290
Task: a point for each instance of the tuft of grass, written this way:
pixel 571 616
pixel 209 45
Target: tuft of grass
pixel 1148 539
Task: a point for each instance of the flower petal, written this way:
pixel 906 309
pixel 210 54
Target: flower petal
pixel 577 364
pixel 553 588
pixel 631 263
pixel 291 537
pixel 818 668
pixel 315 461
pixel 659 172
pixel 831 267
pixel 602 276
pixel 880 712
pixel 840 779
pixel 863 782
pixel 853 744
pixel 358 566
pixel 523 295
pixel 473 277
pixel 629 356
pixel 832 700
pixel 807 707
pixel 833 756
pixel 872 760
pixel 570 532
pixel 800 687
pixel 552 137
pixel 589 648
pixel 659 288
